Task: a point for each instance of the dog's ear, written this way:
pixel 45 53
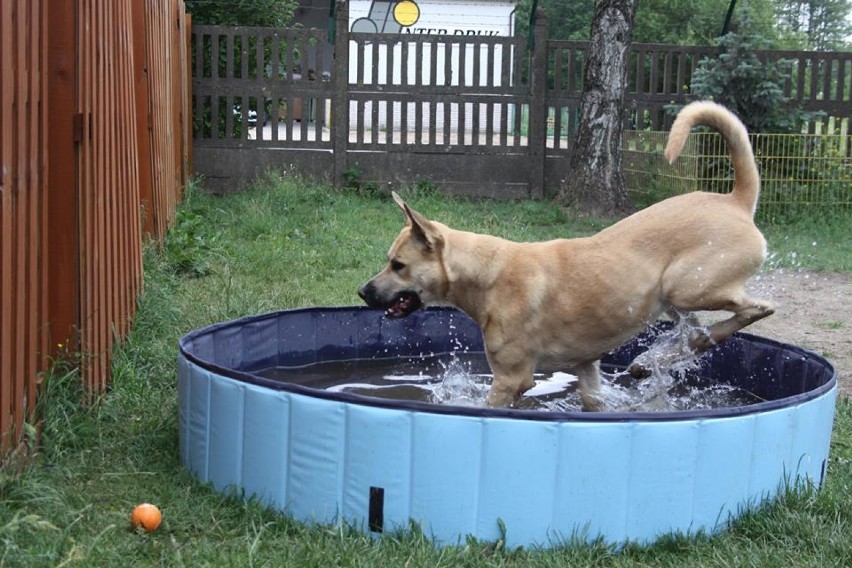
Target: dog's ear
pixel 422 228
pixel 398 200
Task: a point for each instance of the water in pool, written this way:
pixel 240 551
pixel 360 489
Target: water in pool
pixel 463 379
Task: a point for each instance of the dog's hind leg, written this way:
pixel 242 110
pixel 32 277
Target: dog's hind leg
pixel 747 312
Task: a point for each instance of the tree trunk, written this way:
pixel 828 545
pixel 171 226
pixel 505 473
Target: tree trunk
pixel 595 181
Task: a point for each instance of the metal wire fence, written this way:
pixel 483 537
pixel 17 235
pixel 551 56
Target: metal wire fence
pixel 801 174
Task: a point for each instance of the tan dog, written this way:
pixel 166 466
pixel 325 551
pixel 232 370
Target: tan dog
pixel 563 304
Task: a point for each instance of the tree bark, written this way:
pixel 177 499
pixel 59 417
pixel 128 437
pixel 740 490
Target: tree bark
pixel 595 181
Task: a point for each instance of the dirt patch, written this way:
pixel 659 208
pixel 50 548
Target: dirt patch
pixel 812 310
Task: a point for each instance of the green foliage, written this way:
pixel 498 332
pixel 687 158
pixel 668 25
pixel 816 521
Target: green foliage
pixel 810 178
pixel 815 24
pixel 652 191
pixel 61 408
pixel 425 188
pixel 354 177
pixel 749 86
pixel 565 20
pixel 676 22
pixel 800 172
pixel 192 241
pixel 752 88
pixel 804 176
pixel 781 24
pixel 679 22
pixel 269 13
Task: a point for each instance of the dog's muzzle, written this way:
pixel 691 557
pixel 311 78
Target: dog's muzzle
pixel 399 306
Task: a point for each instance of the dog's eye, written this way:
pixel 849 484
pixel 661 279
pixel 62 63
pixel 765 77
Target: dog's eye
pixel 396 265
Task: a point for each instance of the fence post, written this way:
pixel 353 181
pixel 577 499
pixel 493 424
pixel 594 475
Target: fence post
pixel 144 122
pixel 538 108
pixel 62 185
pixel 340 93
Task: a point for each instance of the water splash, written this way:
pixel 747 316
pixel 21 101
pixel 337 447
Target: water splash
pixel 463 379
pixel 458 386
pixel 671 386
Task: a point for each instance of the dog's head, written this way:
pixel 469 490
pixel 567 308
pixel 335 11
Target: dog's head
pixel 414 276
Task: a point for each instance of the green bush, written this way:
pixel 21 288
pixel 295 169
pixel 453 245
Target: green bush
pixel 192 241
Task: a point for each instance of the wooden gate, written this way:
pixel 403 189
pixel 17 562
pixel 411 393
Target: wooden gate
pixel 288 99
pixel 472 114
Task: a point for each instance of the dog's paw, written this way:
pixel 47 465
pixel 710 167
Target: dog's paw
pixel 498 399
pixel 700 340
pixel 591 402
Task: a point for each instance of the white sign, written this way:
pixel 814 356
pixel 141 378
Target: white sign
pixel 445 17
pixel 425 17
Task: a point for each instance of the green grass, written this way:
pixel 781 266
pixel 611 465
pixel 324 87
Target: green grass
pixel 811 243
pixel 290 243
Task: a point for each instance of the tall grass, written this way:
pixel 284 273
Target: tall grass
pixel 290 243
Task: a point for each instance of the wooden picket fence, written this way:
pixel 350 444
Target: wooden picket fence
pixel 96 145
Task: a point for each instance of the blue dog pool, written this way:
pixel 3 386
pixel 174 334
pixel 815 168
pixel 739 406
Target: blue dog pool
pixel 326 456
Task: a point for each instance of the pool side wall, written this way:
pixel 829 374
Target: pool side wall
pixel 326 461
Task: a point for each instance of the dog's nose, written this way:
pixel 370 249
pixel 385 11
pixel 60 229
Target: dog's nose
pixel 364 291
pixel 368 294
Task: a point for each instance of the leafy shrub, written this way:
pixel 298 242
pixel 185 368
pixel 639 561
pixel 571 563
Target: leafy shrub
pixel 751 88
pixel 191 241
pixel 748 85
pixel 356 185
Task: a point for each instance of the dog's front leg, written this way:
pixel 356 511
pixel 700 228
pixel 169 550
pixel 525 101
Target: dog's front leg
pixel 510 381
pixel 590 386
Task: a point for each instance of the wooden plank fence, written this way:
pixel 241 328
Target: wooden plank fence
pixel 166 69
pixel 472 114
pixel 107 80
pixel 23 145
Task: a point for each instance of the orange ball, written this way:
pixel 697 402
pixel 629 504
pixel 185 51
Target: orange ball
pixel 147 516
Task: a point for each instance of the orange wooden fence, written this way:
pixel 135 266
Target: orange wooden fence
pixel 23 145
pixel 95 152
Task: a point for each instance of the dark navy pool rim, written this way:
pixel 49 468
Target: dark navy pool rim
pixel 535 415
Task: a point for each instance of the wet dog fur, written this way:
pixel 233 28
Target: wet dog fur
pixel 563 304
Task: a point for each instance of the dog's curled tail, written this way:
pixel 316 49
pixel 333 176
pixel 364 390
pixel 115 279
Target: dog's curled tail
pixel 706 113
